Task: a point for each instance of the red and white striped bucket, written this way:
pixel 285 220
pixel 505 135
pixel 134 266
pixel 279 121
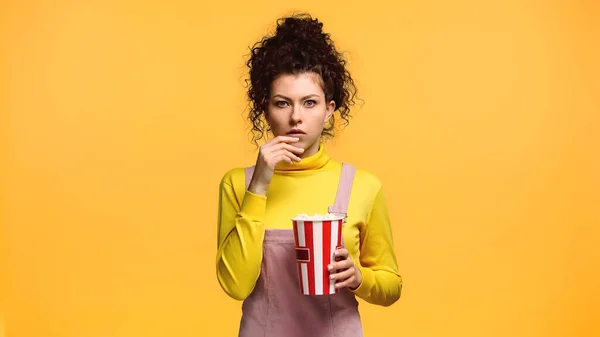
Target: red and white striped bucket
pixel 315 241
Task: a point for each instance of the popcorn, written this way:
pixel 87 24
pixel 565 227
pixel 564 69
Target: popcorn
pixel 328 216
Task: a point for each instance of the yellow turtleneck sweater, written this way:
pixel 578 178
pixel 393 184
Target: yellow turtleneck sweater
pixel 307 187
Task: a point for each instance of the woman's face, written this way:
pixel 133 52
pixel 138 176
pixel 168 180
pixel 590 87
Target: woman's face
pixel 297 108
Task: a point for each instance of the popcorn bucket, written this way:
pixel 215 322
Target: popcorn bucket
pixel 316 239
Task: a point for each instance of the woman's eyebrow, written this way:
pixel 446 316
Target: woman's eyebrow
pixel 289 99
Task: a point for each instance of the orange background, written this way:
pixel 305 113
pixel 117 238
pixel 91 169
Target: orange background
pixel 118 118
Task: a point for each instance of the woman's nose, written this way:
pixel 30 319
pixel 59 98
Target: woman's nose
pixel 296 115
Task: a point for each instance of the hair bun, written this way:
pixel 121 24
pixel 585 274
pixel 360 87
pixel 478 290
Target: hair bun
pixel 301 28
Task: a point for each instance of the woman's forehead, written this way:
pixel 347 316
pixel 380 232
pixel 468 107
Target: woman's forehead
pixel 297 85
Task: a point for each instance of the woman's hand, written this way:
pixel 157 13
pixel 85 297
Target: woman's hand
pixel 279 149
pixel 344 271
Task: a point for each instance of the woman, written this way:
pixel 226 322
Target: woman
pixel 298 82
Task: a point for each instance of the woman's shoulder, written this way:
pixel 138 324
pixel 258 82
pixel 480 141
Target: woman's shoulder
pixel 234 176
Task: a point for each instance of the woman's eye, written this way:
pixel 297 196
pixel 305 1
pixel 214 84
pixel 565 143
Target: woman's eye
pixel 281 104
pixel 311 103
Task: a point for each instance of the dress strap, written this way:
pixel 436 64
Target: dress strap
pixel 342 198
pixel 249 174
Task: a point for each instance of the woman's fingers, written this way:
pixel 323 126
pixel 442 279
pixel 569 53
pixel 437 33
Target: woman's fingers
pixel 342 265
pixel 292 148
pixel 279 149
pixel 346 283
pixel 276 144
pixel 342 275
pixel 272 152
pixel 341 253
pixel 287 139
pixel 284 146
pixel 344 272
pixel 281 140
pixel 280 155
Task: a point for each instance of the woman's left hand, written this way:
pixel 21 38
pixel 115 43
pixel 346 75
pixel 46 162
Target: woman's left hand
pixel 344 271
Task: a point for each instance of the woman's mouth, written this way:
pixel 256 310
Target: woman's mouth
pixel 296 133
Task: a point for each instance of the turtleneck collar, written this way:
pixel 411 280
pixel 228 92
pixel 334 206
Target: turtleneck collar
pixel 314 162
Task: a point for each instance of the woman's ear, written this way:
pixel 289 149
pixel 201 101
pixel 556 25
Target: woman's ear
pixel 329 110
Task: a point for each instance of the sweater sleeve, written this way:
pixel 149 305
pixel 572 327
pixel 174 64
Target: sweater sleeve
pixel 240 234
pixel 381 283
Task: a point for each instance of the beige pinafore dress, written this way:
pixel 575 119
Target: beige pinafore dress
pixel 277 308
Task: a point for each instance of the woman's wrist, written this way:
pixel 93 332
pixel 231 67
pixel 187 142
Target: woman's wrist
pixel 258 188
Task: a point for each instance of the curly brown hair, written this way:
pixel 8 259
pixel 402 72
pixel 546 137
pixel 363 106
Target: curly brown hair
pixel 299 45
